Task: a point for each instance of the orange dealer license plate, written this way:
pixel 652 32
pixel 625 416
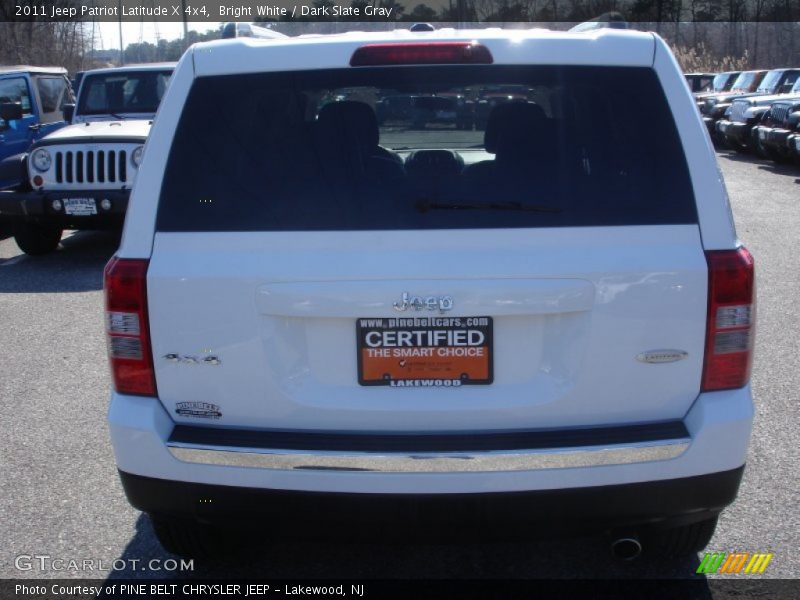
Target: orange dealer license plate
pixel 424 351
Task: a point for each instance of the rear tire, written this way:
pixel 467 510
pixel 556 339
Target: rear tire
pixel 776 156
pixel 191 539
pixel 760 150
pixel 36 240
pixel 680 541
pixel 738 146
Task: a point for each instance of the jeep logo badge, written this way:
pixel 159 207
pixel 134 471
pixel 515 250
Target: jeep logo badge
pixel 440 303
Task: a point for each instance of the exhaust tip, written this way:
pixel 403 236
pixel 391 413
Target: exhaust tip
pixel 626 548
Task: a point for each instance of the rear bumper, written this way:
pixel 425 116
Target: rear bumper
pixel 651 504
pixel 37 207
pixel 430 453
pixel 718 427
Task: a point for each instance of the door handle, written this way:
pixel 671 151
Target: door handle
pixel 35 127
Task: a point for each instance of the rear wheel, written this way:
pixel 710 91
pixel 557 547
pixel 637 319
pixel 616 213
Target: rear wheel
pixel 760 149
pixel 776 156
pixel 680 541
pixel 738 146
pixel 36 239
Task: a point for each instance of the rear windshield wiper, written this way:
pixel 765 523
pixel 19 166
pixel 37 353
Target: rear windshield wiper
pixel 425 206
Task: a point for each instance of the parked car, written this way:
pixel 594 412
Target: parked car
pixel 495 95
pixel 453 109
pixel 394 107
pixel 747 111
pixel 80 176
pixel 723 82
pixel 794 143
pixel 714 105
pixel 298 336
pixel 700 82
pixel 31 107
pixel 778 130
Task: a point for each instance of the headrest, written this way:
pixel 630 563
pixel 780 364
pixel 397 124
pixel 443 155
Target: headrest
pixel 355 119
pixel 513 125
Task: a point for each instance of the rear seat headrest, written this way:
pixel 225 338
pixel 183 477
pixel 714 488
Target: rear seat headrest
pixel 356 119
pixel 513 125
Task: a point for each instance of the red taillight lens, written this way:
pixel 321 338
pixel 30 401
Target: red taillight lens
pixel 127 328
pixel 730 327
pixel 424 53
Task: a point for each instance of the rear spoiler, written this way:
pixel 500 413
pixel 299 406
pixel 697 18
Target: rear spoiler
pixel 609 20
pixel 236 30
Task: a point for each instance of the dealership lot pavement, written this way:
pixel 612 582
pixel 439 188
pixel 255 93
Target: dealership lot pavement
pixel 61 497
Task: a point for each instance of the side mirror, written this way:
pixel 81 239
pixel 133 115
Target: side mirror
pixel 10 111
pixel 69 112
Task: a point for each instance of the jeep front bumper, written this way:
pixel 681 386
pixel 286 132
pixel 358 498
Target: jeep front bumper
pixel 38 207
pixel 735 131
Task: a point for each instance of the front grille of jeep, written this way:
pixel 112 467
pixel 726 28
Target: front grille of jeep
pixel 100 166
pixel 779 112
pixel 737 111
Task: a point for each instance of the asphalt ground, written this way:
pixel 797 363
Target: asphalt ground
pixel 61 496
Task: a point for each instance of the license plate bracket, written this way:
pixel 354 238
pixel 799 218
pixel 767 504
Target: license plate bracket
pixel 425 351
pixel 79 206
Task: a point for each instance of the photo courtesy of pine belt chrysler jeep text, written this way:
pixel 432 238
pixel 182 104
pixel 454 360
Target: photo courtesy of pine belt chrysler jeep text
pixel 500 307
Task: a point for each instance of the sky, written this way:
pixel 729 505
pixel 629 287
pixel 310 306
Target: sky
pixel 107 33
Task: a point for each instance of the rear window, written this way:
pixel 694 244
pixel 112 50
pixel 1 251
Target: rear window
pixel 426 148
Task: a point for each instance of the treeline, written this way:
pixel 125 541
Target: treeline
pixel 62 44
pixel 166 50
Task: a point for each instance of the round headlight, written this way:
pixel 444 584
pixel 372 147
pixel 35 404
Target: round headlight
pixel 136 157
pixel 41 159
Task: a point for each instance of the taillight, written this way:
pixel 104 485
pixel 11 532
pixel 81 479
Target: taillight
pixel 127 328
pixel 421 53
pixel 730 326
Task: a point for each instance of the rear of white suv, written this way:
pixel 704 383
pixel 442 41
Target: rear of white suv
pixel 549 320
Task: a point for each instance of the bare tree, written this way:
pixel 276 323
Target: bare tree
pixel 39 42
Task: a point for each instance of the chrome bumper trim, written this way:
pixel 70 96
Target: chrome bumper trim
pixel 430 462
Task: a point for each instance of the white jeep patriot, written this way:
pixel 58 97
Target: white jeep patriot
pixel 543 318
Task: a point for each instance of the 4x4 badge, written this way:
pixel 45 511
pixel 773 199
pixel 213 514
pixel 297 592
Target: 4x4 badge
pixel 440 303
pixel 193 360
pixel 661 356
